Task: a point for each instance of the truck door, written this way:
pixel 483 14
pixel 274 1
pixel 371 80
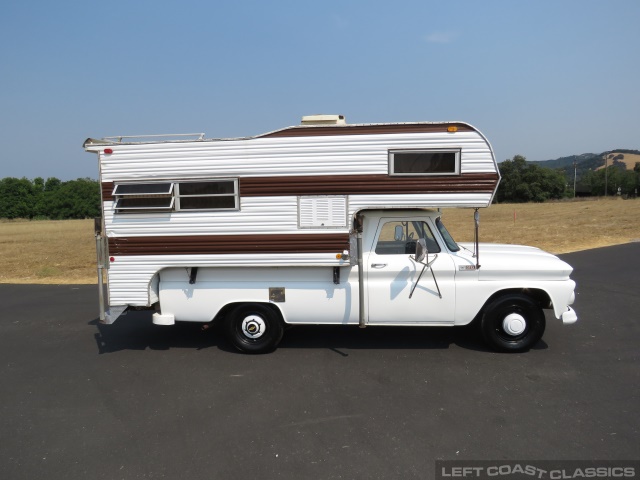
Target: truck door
pixel 391 273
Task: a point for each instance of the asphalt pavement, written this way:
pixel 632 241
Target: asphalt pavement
pixel 80 400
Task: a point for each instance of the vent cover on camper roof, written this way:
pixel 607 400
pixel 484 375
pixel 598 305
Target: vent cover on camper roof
pixel 323 120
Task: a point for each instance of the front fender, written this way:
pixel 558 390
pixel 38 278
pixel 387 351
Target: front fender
pixel 471 297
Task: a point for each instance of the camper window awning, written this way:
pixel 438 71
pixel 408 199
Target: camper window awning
pixel 143 189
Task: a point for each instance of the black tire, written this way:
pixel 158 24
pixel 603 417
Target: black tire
pixel 513 323
pixel 254 328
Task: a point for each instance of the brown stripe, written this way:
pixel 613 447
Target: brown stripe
pixel 107 190
pixel 356 184
pixel 221 244
pixel 366 184
pixel 301 131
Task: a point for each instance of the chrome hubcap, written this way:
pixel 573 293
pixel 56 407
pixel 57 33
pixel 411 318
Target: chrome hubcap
pixel 253 326
pixel 514 324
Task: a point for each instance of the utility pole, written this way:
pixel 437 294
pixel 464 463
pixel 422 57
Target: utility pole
pixel 606 173
pixel 575 170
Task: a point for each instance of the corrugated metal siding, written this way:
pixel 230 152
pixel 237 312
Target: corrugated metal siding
pixel 348 154
pixel 355 184
pixel 257 215
pixel 366 184
pixel 441 200
pixel 268 215
pixel 272 157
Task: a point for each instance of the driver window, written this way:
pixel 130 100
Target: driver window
pixel 399 237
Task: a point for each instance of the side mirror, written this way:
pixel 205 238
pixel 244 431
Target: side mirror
pixel 421 250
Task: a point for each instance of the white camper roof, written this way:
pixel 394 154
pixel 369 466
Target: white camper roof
pixel 313 125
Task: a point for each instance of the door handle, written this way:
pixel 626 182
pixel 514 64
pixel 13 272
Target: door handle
pixel 378 265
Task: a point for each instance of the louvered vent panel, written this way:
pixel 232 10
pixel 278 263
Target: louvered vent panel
pixel 322 211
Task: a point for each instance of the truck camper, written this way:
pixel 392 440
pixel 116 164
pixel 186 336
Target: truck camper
pixel 321 223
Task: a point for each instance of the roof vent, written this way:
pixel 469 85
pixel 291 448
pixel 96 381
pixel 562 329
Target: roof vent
pixel 323 120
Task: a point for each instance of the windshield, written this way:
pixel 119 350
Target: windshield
pixel 448 239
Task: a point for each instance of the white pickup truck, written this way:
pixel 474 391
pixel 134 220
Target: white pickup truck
pixel 413 273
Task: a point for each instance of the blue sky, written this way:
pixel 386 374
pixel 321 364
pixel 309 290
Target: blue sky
pixel 541 78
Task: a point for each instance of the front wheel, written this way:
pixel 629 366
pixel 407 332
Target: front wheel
pixel 254 328
pixel 513 323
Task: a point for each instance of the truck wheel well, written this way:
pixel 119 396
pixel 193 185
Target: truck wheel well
pixel 539 296
pixel 224 311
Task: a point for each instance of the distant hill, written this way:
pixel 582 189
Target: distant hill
pixel 621 158
pixel 629 160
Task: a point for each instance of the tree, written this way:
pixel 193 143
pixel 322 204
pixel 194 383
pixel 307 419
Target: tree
pixel 23 198
pixel 74 199
pixel 17 198
pixel 627 180
pixel 522 182
pixel 52 184
pixel 39 203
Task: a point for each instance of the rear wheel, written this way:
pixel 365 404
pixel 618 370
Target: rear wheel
pixel 513 323
pixel 254 328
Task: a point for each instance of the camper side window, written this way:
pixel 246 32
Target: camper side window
pixel 218 195
pixel 169 196
pixel 424 162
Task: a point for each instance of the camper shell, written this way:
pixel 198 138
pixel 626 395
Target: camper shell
pixel 250 220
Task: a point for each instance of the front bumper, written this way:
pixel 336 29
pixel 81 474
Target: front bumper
pixel 569 316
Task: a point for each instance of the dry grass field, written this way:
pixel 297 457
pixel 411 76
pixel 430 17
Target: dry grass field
pixel 64 251
pixel 47 251
pixel 557 227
